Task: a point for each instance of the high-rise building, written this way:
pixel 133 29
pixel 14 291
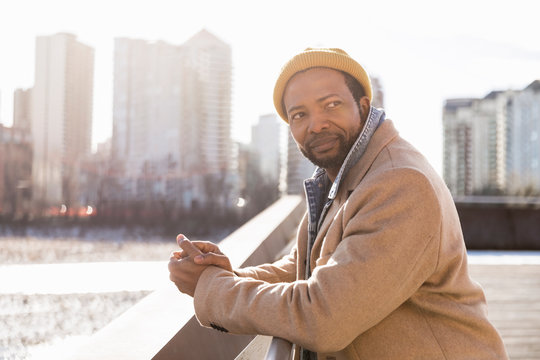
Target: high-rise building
pixel 492 145
pixel 61 120
pixel 299 167
pixel 457 121
pixel 206 117
pixel 22 108
pixel 147 101
pixel 15 172
pixel 489 144
pixel 475 142
pixel 265 143
pixel 172 116
pixel 523 159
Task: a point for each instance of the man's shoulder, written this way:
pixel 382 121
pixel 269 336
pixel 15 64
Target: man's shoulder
pixel 390 157
pixel 401 167
pixel 400 154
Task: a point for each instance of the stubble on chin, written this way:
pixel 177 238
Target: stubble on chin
pixel 329 162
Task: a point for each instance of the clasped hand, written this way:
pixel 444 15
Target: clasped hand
pixel 187 265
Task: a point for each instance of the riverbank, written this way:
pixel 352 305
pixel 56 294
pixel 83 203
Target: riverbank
pixel 76 244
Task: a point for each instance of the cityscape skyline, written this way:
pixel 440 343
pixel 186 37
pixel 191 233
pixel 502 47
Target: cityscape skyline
pixel 421 57
pixel 491 144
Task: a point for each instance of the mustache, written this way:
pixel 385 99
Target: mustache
pixel 316 139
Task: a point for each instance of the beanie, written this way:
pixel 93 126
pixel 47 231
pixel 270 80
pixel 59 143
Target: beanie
pixel 332 58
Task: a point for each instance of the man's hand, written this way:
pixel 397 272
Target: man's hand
pixel 183 270
pixel 209 254
pixel 187 265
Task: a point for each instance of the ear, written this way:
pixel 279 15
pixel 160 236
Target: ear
pixel 364 105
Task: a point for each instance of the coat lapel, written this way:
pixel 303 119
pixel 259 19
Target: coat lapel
pixel 384 134
pixel 315 251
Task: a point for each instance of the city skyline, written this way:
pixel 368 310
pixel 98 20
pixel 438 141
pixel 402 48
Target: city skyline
pixel 422 52
pixel 491 144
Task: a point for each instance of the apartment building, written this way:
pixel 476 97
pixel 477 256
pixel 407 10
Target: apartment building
pixel 491 144
pixel 172 119
pixel 61 117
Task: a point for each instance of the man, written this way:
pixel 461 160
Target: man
pixel 379 270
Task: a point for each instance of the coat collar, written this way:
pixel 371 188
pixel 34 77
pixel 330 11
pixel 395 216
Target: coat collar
pixel 384 134
pixel 374 119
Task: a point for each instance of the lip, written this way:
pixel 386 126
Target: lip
pixel 324 144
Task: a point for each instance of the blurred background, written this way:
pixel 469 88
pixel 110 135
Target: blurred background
pixel 124 123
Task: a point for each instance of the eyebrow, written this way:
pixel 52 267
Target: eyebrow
pixel 290 110
pixel 326 97
pixel 319 100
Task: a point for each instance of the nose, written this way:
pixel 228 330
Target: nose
pixel 318 122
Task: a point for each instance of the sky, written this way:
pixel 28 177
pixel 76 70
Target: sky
pixel 423 52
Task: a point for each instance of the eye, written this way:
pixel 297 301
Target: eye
pixel 297 116
pixel 333 104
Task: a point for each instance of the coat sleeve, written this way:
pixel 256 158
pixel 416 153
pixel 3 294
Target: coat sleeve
pixel 390 238
pixel 283 270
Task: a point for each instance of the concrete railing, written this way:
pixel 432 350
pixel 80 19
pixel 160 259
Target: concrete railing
pixel 163 324
pixel 280 349
pixel 500 222
pixel 267 348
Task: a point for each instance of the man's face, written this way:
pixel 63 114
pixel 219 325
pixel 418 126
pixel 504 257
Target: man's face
pixel 323 116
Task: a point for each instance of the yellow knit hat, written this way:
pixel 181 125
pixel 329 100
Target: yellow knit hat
pixel 319 57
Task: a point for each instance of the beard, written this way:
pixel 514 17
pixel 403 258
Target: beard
pixel 328 161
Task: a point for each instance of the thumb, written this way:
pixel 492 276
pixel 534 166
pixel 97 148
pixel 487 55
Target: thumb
pixel 219 260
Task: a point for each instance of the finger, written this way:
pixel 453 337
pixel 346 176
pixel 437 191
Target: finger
pixel 172 265
pixel 207 247
pixel 213 259
pixel 190 249
pixel 179 238
pixel 181 254
pixel 176 255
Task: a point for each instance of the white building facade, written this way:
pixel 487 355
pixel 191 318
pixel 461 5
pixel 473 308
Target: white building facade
pixel 61 118
pixel 491 145
pixel 146 104
pixel 22 108
pixel 457 120
pixel 523 164
pixel 489 142
pixel 266 145
pixel 172 119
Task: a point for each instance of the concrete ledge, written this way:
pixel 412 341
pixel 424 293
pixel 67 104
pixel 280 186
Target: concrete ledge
pixel 163 325
pixel 256 349
pixel 498 226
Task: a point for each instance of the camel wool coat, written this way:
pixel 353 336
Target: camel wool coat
pixel 389 280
